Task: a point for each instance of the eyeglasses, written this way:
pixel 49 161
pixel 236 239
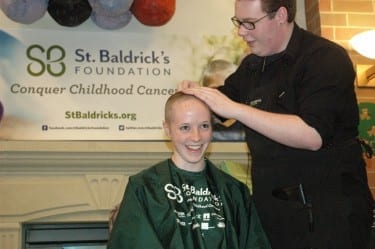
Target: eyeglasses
pixel 249 25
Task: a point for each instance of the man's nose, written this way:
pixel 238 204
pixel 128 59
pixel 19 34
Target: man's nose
pixel 242 31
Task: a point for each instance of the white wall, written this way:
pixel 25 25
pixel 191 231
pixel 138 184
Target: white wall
pixel 301 17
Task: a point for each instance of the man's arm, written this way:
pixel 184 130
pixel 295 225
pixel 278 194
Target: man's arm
pixel 286 129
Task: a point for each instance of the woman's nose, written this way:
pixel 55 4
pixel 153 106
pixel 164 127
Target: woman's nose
pixel 195 135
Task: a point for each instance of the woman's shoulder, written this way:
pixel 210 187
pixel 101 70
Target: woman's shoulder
pixel 153 173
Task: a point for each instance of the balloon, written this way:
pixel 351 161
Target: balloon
pixel 153 12
pixel 110 7
pixel 111 22
pixel 69 13
pixel 24 11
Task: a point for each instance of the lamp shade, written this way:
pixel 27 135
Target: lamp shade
pixel 364 43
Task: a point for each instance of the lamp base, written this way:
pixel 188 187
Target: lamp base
pixel 365 75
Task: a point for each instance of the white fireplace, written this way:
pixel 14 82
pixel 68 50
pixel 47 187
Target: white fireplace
pixel 72 182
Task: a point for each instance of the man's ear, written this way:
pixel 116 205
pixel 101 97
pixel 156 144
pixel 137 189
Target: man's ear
pixel 166 129
pixel 282 15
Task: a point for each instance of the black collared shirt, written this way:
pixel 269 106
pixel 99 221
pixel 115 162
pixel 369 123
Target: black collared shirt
pixel 313 78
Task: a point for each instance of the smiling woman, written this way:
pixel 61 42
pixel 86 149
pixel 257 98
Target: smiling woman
pixel 185 201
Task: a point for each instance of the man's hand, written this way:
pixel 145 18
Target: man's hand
pixel 217 101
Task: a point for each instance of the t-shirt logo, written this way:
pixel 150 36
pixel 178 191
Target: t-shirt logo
pixel 173 193
pixel 195 206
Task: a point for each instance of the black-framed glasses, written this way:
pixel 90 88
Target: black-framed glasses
pixel 249 25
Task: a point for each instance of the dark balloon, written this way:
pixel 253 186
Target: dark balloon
pixel 69 13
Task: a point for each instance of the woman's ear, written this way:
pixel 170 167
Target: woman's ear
pixel 166 129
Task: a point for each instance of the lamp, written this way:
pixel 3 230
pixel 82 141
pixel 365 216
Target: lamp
pixel 363 43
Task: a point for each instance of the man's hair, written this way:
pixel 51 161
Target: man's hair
pixel 270 6
pixel 176 97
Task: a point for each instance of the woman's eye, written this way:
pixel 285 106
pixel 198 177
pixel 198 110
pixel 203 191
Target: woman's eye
pixel 206 126
pixel 184 128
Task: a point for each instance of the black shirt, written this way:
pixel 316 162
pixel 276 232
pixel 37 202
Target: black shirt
pixel 314 79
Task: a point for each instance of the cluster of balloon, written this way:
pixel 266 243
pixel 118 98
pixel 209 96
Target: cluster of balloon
pixel 107 14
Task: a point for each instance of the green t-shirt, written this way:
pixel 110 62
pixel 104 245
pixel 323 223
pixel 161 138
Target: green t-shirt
pixel 198 209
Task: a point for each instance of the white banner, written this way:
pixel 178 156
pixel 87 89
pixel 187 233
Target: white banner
pixel 88 83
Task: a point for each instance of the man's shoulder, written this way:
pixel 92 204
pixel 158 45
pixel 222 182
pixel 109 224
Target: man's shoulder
pixel 314 41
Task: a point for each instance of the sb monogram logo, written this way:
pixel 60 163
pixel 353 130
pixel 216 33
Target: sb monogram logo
pixel 173 192
pixel 48 60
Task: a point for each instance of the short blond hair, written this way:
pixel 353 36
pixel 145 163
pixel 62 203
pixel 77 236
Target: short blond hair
pixel 180 96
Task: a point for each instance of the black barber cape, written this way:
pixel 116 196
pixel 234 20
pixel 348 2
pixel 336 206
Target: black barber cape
pixel 166 207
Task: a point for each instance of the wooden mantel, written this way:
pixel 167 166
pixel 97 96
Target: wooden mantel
pixel 75 181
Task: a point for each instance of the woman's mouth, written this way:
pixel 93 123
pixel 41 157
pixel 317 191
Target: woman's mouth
pixel 195 147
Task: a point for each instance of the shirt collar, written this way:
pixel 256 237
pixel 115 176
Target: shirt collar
pixel 289 54
pixel 295 42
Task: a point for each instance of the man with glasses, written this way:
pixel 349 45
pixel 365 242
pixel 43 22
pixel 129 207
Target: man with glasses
pixel 295 96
